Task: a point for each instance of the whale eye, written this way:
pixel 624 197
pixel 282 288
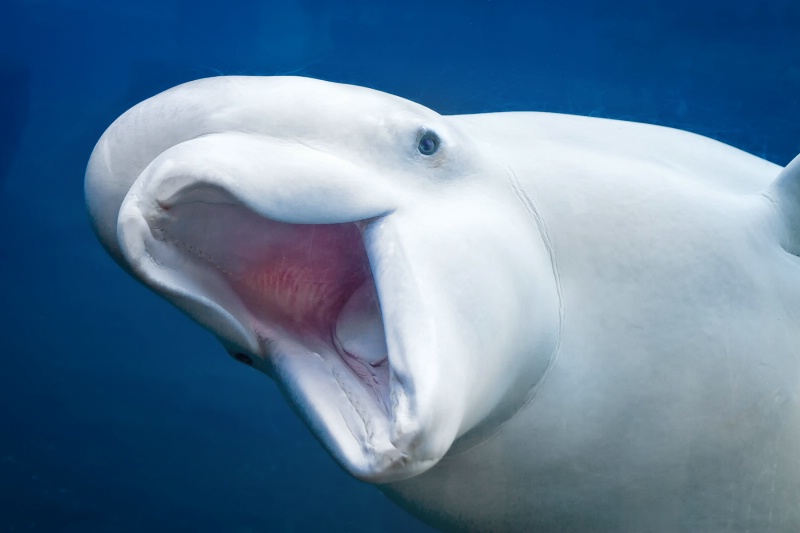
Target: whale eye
pixel 428 144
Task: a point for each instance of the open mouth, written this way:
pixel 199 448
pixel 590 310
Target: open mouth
pixel 310 283
pixel 297 301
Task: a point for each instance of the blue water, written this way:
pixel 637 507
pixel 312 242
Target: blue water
pixel 117 414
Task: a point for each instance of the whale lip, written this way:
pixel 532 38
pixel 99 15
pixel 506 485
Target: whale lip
pixel 214 257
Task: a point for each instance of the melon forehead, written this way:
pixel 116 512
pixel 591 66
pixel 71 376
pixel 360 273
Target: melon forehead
pixel 300 107
pixel 361 125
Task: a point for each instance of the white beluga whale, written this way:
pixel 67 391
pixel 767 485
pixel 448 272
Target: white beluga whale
pixel 507 321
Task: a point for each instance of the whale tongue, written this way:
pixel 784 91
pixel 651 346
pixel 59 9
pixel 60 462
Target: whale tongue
pixel 359 329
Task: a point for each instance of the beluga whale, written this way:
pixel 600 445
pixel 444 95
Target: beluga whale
pixel 514 321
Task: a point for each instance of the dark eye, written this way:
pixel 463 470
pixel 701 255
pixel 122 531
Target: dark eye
pixel 428 144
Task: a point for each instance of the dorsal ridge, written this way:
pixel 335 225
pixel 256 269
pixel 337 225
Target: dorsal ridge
pixel 785 192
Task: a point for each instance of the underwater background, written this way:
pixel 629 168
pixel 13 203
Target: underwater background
pixel 118 414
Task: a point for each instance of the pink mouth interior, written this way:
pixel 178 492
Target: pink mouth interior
pixel 302 278
pixel 308 281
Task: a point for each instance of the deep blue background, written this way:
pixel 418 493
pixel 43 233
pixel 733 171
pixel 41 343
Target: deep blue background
pixel 116 412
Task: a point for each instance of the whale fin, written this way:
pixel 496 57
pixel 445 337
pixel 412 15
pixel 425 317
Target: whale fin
pixel 785 192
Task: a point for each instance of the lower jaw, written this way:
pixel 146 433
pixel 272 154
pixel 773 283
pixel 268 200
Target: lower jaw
pixel 340 410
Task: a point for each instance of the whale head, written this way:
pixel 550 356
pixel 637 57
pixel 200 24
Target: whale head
pixel 358 248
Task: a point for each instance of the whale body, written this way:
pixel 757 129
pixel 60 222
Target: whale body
pixel 507 321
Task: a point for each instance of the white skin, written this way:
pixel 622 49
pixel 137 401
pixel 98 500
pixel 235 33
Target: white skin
pixel 507 321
